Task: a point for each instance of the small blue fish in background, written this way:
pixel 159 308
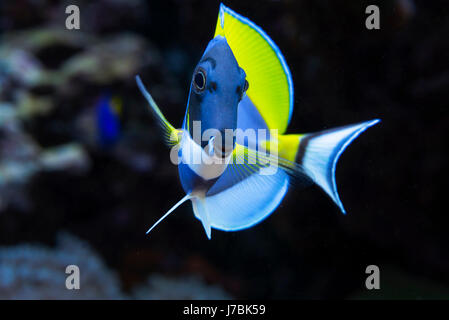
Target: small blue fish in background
pixel 242 82
pixel 107 111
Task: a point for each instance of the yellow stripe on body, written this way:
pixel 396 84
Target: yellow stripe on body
pixel 287 146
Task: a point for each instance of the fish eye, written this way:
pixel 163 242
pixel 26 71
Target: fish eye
pixel 199 79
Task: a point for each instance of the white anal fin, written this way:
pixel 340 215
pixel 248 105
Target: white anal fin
pixel 200 210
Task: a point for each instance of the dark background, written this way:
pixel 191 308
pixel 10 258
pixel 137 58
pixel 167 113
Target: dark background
pixel 392 180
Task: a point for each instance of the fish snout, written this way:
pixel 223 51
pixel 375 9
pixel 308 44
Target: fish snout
pixel 223 145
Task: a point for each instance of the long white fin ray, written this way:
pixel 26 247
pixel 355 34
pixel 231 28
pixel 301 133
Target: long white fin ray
pixel 187 197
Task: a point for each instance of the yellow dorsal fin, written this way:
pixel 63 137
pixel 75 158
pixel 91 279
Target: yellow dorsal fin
pixel 270 84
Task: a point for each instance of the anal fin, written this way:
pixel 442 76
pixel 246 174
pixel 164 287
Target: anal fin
pixel 201 212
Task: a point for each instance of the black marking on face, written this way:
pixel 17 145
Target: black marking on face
pixel 245 86
pixel 211 60
pixel 241 91
pixel 213 87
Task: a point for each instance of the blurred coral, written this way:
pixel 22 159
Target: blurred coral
pixel 178 288
pixel 35 272
pixel 30 271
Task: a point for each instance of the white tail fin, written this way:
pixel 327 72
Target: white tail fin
pixel 319 153
pixel 187 197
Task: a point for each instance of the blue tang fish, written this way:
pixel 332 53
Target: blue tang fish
pixel 107 114
pixel 234 175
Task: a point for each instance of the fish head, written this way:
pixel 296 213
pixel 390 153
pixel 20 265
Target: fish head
pixel 218 84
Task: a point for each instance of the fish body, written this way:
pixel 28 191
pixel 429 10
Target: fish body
pixel 235 160
pixel 107 111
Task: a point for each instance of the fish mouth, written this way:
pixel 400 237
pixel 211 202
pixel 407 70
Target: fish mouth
pixel 220 149
pixel 223 152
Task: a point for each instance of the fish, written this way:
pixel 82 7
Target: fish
pixel 108 109
pixel 235 160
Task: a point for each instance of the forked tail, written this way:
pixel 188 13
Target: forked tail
pixel 318 153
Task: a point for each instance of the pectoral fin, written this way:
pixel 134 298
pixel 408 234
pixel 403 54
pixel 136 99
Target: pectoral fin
pixel 172 136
